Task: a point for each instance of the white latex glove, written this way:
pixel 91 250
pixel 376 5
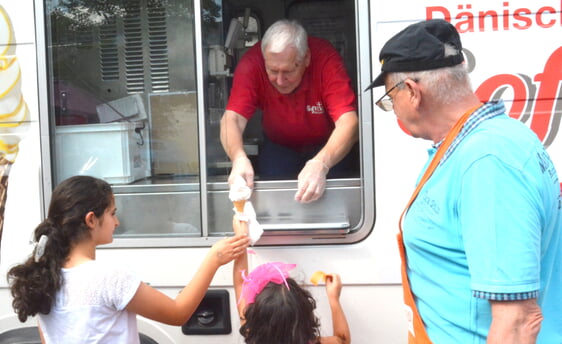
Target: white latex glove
pixel 242 167
pixel 311 181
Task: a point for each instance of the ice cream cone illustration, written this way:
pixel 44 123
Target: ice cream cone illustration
pixel 5 166
pixel 14 113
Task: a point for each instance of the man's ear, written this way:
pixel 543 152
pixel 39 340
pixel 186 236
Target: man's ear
pixel 90 219
pixel 307 58
pixel 414 92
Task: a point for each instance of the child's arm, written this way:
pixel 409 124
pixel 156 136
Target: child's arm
pixel 153 304
pixel 240 264
pixel 339 321
pixel 40 333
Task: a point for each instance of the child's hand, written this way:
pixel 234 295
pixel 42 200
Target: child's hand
pixel 228 249
pixel 238 226
pixel 333 286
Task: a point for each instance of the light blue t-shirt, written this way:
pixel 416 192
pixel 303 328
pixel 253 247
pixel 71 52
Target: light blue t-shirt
pixel 487 221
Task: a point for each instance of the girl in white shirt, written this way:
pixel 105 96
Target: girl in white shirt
pixel 80 300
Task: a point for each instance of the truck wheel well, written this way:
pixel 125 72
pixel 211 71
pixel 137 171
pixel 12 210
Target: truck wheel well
pixel 30 335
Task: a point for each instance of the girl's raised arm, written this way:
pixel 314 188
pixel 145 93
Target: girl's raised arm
pixel 340 326
pixel 151 303
pixel 240 264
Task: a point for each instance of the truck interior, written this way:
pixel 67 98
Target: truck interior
pixel 137 91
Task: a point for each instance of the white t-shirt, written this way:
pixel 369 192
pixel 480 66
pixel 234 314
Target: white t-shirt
pixel 90 307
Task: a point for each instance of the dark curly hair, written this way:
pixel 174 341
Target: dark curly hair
pixel 33 285
pixel 281 316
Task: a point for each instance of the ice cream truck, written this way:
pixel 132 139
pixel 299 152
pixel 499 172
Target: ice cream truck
pixel 132 91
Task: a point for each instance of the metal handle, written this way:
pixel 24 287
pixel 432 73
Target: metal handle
pixel 339 227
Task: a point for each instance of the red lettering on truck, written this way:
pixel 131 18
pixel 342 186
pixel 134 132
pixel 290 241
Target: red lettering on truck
pixel 542 106
pixel 468 20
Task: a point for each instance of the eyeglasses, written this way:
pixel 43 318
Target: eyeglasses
pixel 385 104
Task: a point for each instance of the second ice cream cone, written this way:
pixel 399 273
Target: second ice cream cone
pixel 239 205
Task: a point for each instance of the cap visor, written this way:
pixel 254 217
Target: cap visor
pixel 379 81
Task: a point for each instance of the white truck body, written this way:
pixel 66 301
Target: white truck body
pixel 515 53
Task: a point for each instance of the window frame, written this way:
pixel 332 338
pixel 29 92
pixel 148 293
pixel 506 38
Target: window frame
pixel 207 188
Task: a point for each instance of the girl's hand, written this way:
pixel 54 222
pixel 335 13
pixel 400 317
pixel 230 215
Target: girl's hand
pixel 230 248
pixel 333 286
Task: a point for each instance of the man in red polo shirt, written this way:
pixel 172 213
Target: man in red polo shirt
pixel 309 110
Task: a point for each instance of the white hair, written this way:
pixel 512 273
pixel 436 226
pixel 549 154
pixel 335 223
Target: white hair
pixel 284 33
pixel 445 85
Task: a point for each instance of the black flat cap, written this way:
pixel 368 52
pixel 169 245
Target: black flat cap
pixel 419 47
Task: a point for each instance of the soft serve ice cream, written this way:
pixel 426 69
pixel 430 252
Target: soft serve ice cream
pixel 239 193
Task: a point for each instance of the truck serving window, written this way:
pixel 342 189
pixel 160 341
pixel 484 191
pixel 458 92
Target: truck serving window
pixel 137 91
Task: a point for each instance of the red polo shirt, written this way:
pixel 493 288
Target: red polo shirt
pixel 306 116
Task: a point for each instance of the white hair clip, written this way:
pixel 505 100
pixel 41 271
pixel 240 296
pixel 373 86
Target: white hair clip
pixel 40 247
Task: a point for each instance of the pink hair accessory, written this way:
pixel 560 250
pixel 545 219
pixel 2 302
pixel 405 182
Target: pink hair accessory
pixel 254 282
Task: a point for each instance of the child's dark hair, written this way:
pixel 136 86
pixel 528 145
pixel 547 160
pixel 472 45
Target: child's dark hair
pixel 281 316
pixel 34 284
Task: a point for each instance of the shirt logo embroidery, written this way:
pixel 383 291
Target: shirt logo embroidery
pixel 317 109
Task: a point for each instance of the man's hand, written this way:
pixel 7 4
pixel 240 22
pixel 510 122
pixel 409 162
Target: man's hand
pixel 311 181
pixel 242 167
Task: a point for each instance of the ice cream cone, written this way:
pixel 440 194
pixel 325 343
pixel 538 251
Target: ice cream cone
pixel 239 205
pixel 5 166
pixel 14 113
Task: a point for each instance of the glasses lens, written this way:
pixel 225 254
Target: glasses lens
pixel 385 104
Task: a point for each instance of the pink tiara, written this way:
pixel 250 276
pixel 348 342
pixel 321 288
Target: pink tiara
pixel 254 283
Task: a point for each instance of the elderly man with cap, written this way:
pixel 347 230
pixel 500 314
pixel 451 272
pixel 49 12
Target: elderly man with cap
pixel 481 237
pixel 309 111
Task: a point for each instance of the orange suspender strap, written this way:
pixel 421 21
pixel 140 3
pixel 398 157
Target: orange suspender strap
pixel 416 328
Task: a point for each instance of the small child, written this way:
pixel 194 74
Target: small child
pixel 274 309
pixel 80 300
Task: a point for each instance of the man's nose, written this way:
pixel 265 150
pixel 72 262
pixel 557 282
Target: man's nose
pixel 280 79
